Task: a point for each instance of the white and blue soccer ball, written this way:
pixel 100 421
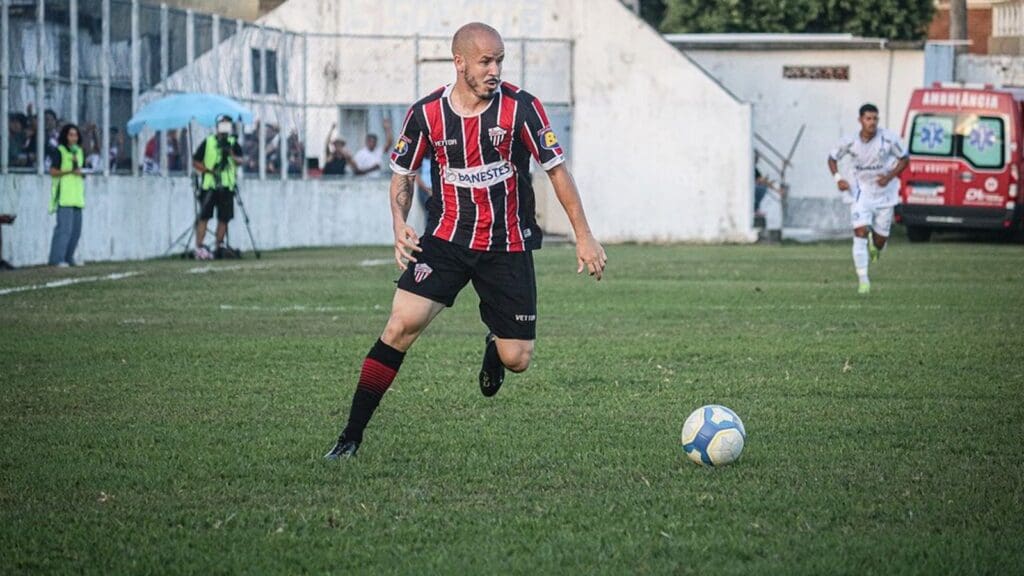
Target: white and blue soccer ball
pixel 713 435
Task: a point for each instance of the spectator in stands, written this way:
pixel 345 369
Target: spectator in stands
pixel 18 147
pixel 30 137
pixel 272 149
pixel 250 151
pixel 91 145
pixel 369 159
pixel 174 149
pixel 336 156
pixel 67 196
pixel 296 153
pixel 5 219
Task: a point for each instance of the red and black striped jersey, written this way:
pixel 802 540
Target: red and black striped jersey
pixel 480 167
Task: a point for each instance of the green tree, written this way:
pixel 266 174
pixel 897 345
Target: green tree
pixel 892 19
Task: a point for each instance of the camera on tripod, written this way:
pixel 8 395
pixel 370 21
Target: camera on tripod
pixel 225 156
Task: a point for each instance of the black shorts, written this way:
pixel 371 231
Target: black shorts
pixel 220 198
pixel 505 282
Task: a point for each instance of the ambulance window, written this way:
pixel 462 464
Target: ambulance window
pixel 932 135
pixel 982 143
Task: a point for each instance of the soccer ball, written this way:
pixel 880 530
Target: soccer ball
pixel 713 435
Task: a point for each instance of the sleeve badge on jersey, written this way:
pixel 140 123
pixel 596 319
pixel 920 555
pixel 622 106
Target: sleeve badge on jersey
pixel 401 147
pixel 548 140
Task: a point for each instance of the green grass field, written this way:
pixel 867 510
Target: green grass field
pixel 174 422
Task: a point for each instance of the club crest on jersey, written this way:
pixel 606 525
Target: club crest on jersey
pixel 497 134
pixel 548 140
pixel 421 271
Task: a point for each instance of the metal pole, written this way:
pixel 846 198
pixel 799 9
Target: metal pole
pixel 105 72
pixel 522 63
pixel 164 67
pixel 262 143
pixel 239 29
pixel 305 103
pixel 190 56
pixel 73 28
pixel 5 87
pixel 416 77
pixel 41 135
pixel 215 52
pixel 135 63
pixel 283 136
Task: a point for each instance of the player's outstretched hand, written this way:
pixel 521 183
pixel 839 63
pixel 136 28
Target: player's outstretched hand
pixel 843 185
pixel 590 255
pixel 407 243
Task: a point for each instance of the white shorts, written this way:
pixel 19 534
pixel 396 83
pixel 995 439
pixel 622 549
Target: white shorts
pixel 879 218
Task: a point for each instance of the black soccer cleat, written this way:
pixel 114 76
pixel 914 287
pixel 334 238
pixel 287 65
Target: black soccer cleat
pixel 343 449
pixel 492 373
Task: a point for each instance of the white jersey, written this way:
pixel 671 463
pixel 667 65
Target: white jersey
pixel 870 160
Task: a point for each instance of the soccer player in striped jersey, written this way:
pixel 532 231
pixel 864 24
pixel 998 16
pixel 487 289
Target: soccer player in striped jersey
pixel 878 158
pixel 480 134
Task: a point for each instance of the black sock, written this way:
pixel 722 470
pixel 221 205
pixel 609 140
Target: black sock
pixel 379 370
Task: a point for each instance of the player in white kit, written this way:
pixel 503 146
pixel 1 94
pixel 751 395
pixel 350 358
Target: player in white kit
pixel 877 158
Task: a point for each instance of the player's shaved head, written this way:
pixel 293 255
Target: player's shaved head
pixel 470 36
pixel 478 53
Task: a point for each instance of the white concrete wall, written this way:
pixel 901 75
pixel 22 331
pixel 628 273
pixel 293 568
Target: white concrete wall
pixel 134 218
pixel 660 150
pixel 828 108
pixel 992 69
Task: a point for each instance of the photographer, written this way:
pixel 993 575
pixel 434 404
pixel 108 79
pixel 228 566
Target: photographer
pixel 216 160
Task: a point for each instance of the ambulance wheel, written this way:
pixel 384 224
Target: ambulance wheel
pixel 918 233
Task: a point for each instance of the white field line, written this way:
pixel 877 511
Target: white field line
pixel 295 308
pixel 377 262
pixel 210 268
pixel 68 282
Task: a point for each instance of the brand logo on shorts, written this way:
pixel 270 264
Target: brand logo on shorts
pixel 526 317
pixel 497 134
pixel 420 272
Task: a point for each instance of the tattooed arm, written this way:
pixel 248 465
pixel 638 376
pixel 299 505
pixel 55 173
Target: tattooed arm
pixel 406 239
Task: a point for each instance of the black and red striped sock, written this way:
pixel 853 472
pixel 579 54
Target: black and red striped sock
pixel 379 370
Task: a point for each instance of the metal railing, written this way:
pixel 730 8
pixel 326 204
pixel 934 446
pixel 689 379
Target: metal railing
pixel 96 62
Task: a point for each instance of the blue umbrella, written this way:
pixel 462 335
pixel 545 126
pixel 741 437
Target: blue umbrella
pixel 178 110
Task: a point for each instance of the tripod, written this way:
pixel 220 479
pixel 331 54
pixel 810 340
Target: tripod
pixel 202 201
pixel 198 207
pixel 245 218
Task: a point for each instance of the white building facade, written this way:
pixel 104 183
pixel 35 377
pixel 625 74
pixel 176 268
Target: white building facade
pixel 811 87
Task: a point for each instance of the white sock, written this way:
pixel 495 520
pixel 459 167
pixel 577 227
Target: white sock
pixel 861 257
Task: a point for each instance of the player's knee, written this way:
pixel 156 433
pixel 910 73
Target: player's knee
pixel 517 359
pixel 399 333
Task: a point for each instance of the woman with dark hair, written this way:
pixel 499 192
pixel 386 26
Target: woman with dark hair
pixel 67 196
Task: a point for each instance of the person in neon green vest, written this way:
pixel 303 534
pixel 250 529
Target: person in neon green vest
pixel 67 196
pixel 216 160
